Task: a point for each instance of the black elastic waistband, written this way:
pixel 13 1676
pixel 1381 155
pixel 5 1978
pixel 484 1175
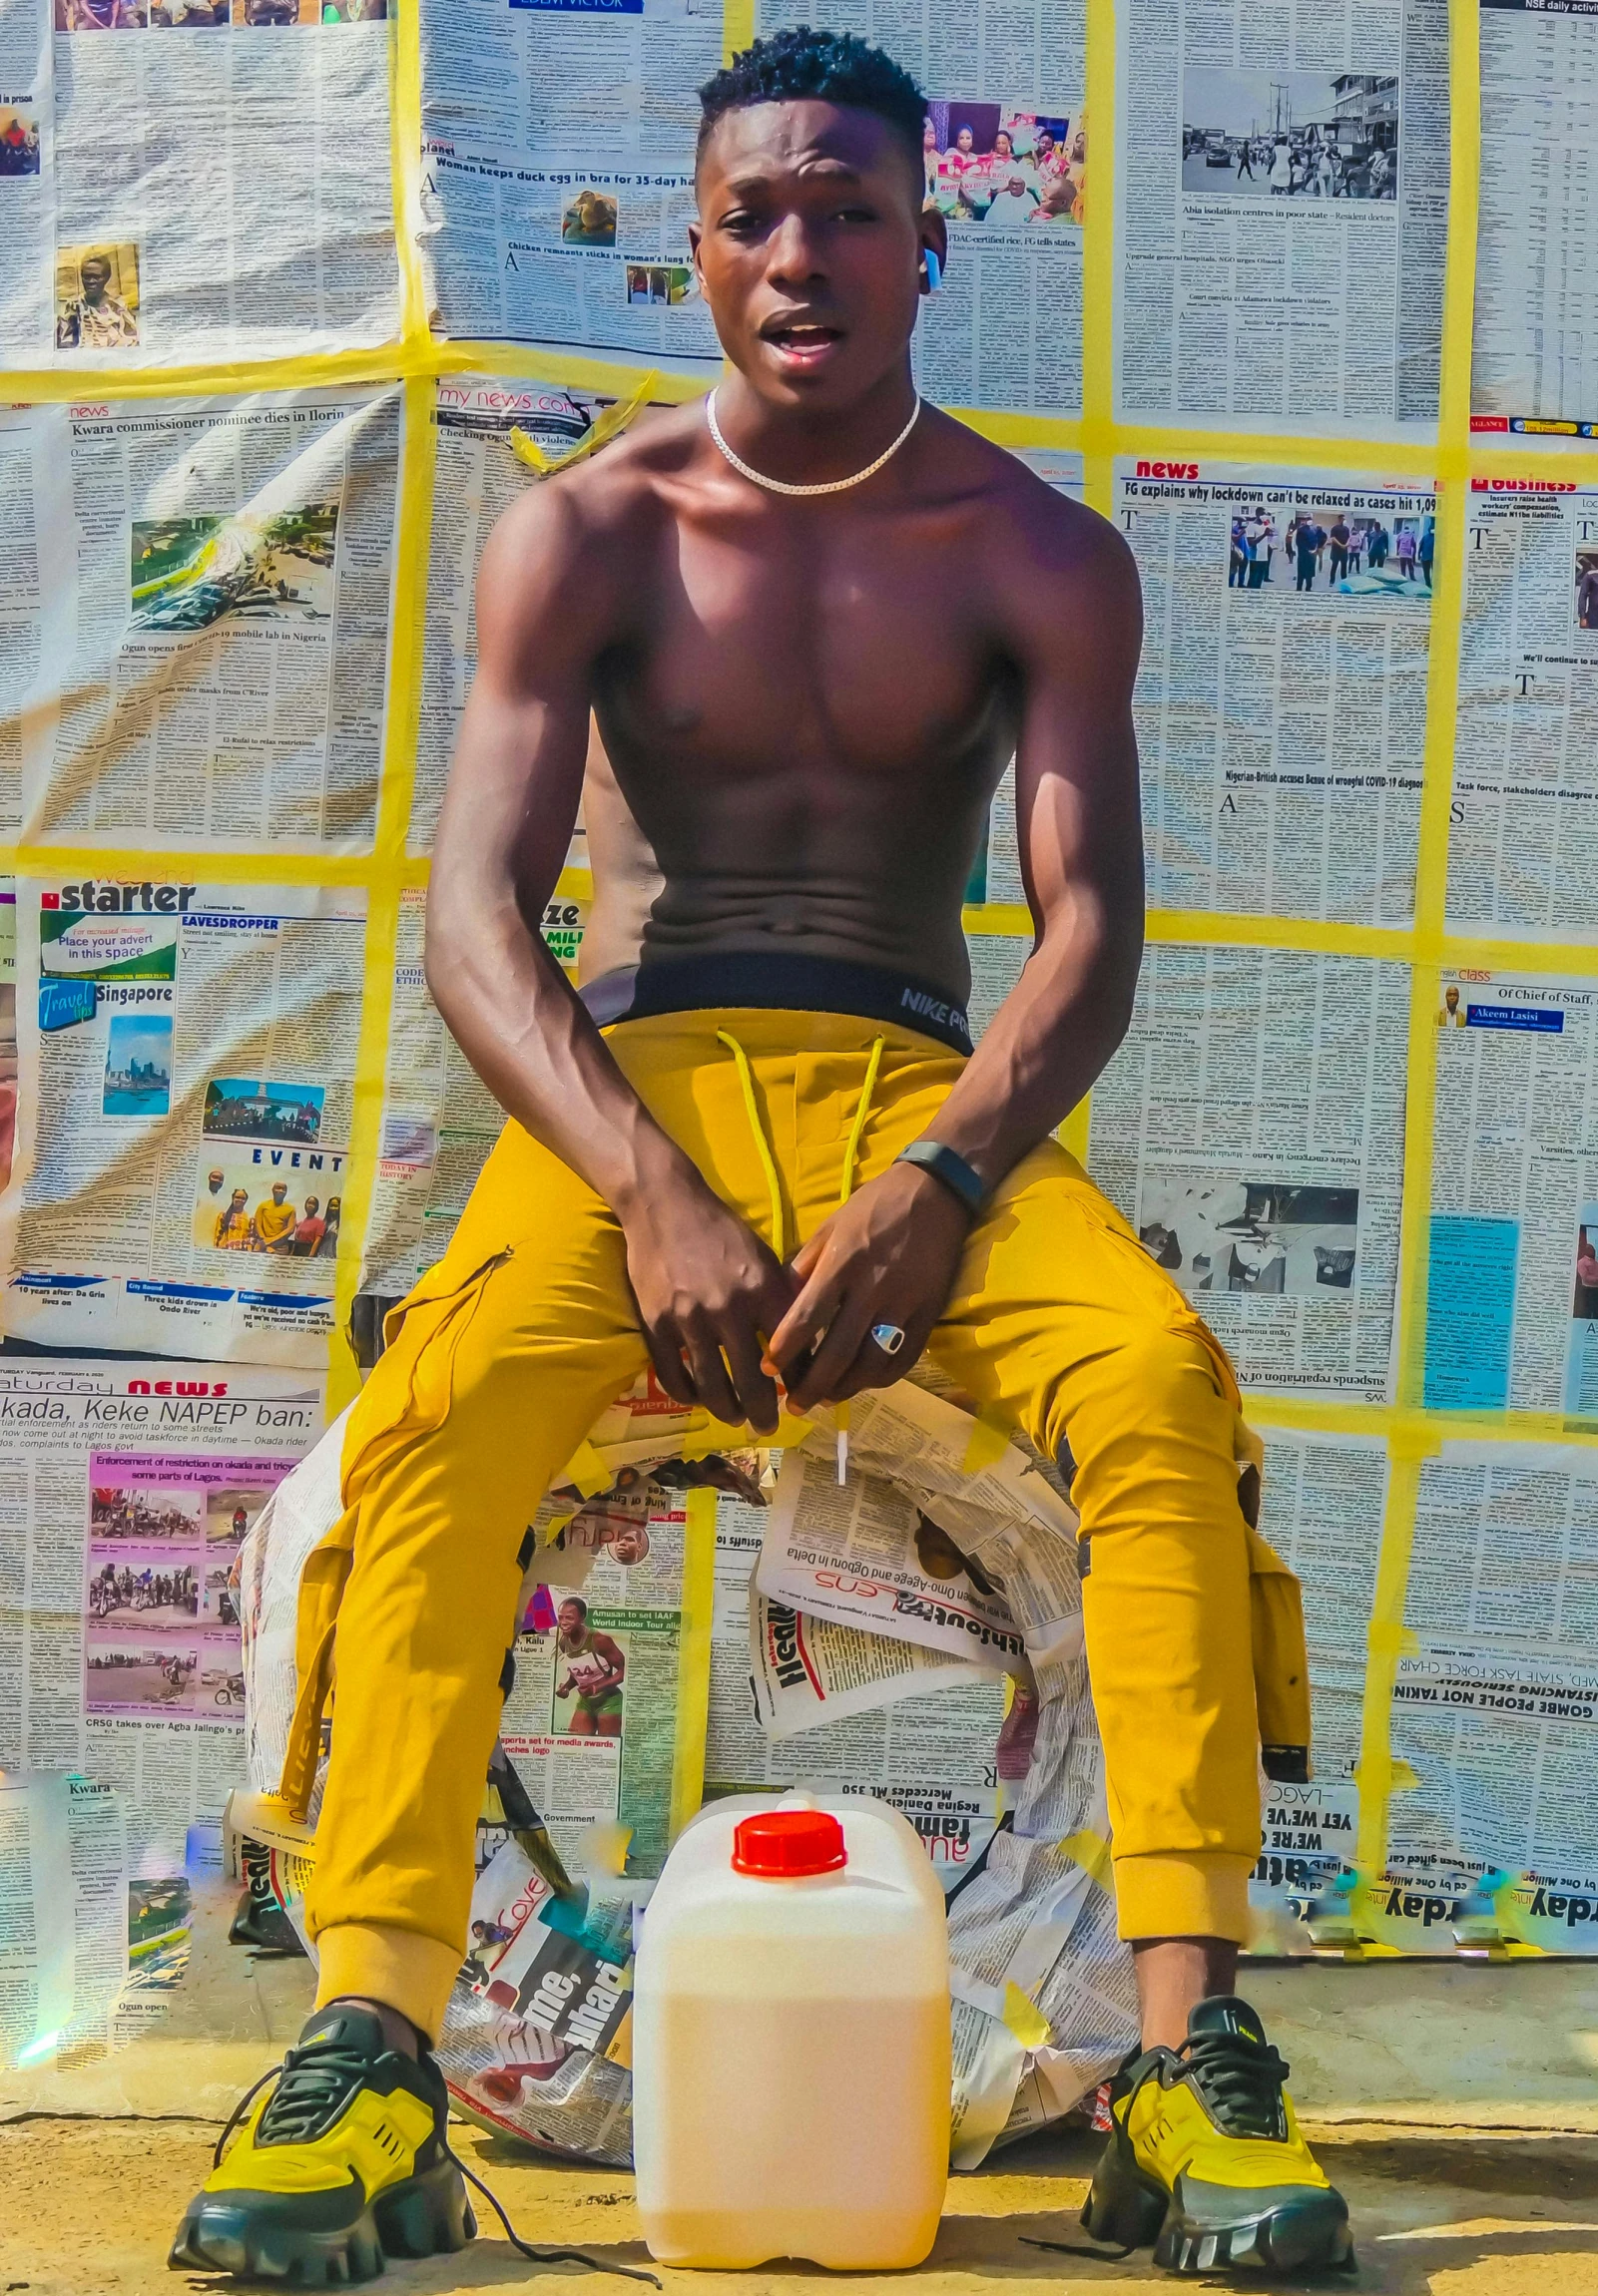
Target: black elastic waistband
pixel 774 983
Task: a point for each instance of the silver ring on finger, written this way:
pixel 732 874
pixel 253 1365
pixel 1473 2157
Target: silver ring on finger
pixel 890 1337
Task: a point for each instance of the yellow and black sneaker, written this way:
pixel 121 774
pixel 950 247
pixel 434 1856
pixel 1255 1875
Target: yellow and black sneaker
pixel 345 2162
pixel 1206 2159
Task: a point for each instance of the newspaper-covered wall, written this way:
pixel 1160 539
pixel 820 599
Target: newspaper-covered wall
pixel 279 283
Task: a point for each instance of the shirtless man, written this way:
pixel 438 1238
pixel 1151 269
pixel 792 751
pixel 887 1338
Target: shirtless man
pixel 781 1161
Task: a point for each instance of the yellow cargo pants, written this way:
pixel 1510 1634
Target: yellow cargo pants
pixel 506 1352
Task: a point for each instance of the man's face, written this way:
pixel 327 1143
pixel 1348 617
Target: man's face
pixel 96 277
pixel 1450 998
pixel 213 1182
pixel 279 1189
pixel 808 248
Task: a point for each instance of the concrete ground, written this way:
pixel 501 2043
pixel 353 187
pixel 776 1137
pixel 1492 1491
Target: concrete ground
pixel 1455 2104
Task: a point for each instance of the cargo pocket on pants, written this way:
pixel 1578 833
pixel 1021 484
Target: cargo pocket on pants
pixel 1280 1664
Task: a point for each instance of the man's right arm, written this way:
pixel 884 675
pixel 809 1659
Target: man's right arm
pixel 549 605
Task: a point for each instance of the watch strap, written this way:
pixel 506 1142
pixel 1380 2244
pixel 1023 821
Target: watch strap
pixel 952 1170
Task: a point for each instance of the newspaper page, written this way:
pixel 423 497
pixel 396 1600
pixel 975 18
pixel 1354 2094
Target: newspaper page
pixel 439 1119
pixel 196 184
pixel 1250 1130
pixel 1005 149
pixel 933 1749
pixel 1496 1709
pixel 591 1723
pixel 1283 210
pixel 1523 825
pixel 558 172
pixel 1534 366
pixel 187 1056
pixel 1512 1288
pixel 1281 704
pixel 861 1553
pixel 214 638
pixel 129 1487
pixel 476 479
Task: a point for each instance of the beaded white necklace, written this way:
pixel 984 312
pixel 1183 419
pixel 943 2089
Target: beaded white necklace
pixel 827 486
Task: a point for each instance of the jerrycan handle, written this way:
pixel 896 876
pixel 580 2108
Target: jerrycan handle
pixel 784 1845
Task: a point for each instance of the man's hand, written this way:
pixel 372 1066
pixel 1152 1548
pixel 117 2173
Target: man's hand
pixel 889 1256
pixel 709 1293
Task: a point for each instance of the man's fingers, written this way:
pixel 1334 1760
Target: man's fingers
pixel 712 1388
pixel 834 1357
pixel 757 1394
pixel 664 1352
pixel 873 1367
pixel 804 1323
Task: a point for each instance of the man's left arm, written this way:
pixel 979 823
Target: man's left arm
pixel 1072 623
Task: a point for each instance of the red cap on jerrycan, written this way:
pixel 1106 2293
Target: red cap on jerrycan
pixel 782 1845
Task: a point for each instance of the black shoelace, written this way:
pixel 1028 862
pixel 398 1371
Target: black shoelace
pixel 1239 2081
pixel 313 2082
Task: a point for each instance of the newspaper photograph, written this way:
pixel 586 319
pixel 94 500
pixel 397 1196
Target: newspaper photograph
pixel 1282 202
pixel 131 1486
pixel 439 1119
pixel 1534 364
pixel 477 477
pixel 1512 1283
pixel 1005 145
pixel 214 651
pixel 1523 825
pixel 186 1059
pixel 558 174
pixel 1251 1130
pixel 591 1722
pixel 189 240
pixel 1282 728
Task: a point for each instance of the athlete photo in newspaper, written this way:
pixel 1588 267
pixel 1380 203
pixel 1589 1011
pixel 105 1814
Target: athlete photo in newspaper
pixel 775 1161
pixel 590 1670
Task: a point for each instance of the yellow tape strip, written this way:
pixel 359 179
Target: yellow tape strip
pixel 694 1660
pixel 390 871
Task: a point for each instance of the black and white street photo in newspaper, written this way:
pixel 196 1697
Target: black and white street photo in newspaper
pixel 1290 135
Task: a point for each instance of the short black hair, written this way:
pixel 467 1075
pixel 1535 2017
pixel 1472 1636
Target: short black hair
pixel 835 67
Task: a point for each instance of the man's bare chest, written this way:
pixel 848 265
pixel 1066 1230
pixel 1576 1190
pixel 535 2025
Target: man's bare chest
pixel 830 651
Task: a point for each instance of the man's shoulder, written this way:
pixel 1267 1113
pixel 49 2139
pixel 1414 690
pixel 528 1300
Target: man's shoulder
pixel 611 496
pixel 1036 541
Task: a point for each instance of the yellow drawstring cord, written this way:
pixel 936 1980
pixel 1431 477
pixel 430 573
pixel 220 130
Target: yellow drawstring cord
pixel 853 1152
pixel 752 1108
pixel 852 1158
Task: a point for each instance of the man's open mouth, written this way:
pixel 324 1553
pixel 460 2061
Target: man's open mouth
pixel 802 338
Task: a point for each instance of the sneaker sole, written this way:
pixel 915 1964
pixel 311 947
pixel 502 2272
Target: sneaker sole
pixel 253 2235
pixel 1130 2210
pixel 1307 2235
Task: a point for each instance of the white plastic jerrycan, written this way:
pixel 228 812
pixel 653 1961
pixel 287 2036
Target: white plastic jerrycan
pixel 791 2039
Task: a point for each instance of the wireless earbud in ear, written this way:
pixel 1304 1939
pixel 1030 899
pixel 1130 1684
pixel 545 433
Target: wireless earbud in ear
pixel 933 269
